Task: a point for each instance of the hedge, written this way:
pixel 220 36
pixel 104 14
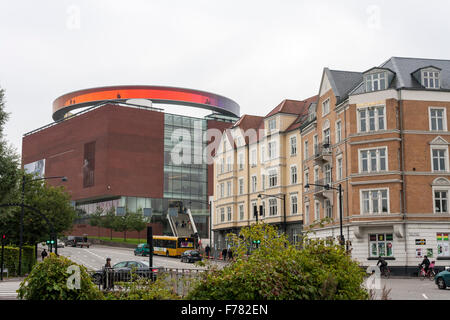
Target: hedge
pixel 11 259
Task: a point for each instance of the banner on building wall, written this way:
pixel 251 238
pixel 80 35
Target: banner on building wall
pixel 37 168
pixel 419 253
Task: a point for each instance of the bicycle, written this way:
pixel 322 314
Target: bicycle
pixel 430 274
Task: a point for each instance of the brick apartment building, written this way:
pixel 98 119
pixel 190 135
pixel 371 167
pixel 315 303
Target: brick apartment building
pixel 382 135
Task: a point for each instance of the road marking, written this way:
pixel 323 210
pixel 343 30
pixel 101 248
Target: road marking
pixel 425 296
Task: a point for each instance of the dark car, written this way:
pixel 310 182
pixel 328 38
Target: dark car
pixel 121 271
pixel 442 279
pixel 191 256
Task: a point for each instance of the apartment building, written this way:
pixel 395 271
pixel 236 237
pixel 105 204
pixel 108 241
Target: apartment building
pixel 258 165
pixel 382 135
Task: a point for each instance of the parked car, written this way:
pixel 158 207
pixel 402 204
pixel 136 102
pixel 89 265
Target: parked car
pixel 61 244
pixel 122 271
pixel 191 256
pixel 142 249
pixel 442 279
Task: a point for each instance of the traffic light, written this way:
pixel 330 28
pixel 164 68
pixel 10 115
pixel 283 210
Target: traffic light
pixel 3 237
pixel 256 241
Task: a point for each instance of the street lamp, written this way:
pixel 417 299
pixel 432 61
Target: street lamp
pixel 284 206
pixel 339 189
pixel 22 215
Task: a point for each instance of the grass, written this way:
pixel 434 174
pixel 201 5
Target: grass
pixel 120 240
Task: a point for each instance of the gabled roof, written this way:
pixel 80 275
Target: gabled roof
pixel 342 82
pixel 291 106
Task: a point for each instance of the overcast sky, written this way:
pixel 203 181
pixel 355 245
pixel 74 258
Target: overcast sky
pixel 254 52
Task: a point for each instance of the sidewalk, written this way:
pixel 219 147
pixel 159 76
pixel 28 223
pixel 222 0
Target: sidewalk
pixel 8 288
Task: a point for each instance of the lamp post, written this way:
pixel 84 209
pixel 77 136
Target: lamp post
pixel 284 206
pixel 22 215
pixel 339 189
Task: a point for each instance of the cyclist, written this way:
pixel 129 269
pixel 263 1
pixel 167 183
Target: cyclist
pixel 426 264
pixel 383 264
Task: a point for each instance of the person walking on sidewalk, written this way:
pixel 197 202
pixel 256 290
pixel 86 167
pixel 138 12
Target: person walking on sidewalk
pixel 44 254
pixel 207 250
pixel 224 254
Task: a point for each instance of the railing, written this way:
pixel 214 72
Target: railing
pixel 178 280
pixel 322 149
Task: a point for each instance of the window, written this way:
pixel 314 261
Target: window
pixel 371 119
pixel 241 212
pixel 263 150
pixel 293 174
pixel 272 149
pixel 229 164
pixel 316 175
pixel 263 208
pixel 254 206
pixel 241 186
pixel 316 210
pixel 316 144
pixel 381 244
pixel 306 177
pixel 263 179
pixel 375 201
pixel 241 161
pixel 440 201
pixel 438 119
pixel 339 173
pixel 306 213
pixel 272 124
pixel 439 159
pixel 293 145
pixel 273 177
pixel 222 190
pixel 221 165
pixel 89 164
pixel 373 160
pixel 376 81
pixel 253 158
pixel 305 149
pixel 222 214
pixel 326 136
pixel 327 170
pixel 229 188
pixel 294 204
pixel 443 244
pixel 328 209
pixel 326 107
pixel 229 213
pixel 430 79
pixel 273 209
pixel 338 131
pixel 254 184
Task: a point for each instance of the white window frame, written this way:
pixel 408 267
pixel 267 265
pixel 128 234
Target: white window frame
pixel 428 75
pixel 305 149
pixel 222 214
pixel 367 119
pixel 273 207
pixel 273 177
pixel 325 107
pixel 339 168
pixel 444 118
pixel 229 214
pixel 441 189
pixel 272 124
pixel 241 212
pixel 272 148
pixel 327 174
pixel 263 150
pixel 294 204
pixel 377 159
pixel 446 161
pixel 253 157
pixel 338 131
pixel 294 174
pixel 370 81
pixel 229 189
pixel 241 186
pixel 229 163
pixel 328 208
pixel 241 160
pixel 293 145
pixel 306 177
pixel 222 190
pixel 380 201
pixel 307 210
pixel 316 210
pixel 254 183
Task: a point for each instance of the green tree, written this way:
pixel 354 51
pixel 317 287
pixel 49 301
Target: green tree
pixel 276 270
pixel 123 224
pixel 95 219
pixel 137 222
pixel 108 221
pixel 9 159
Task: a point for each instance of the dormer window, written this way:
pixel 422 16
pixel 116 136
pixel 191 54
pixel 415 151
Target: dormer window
pixel 430 79
pixel 376 81
pixel 272 124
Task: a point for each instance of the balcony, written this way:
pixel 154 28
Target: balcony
pixel 322 192
pixel 322 153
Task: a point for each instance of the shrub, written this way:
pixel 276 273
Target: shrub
pixel 11 259
pixel 278 271
pixel 49 281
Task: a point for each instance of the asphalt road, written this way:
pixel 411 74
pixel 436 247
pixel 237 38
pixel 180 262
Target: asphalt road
pixel 94 258
pixel 412 289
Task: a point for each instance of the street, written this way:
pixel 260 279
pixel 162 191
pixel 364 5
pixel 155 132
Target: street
pixel 412 289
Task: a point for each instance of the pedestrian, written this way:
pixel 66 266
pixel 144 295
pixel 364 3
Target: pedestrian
pixel 224 254
pixel 176 224
pixel 230 254
pixel 44 254
pixel 207 250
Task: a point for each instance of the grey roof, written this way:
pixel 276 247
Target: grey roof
pixel 342 82
pixel 404 67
